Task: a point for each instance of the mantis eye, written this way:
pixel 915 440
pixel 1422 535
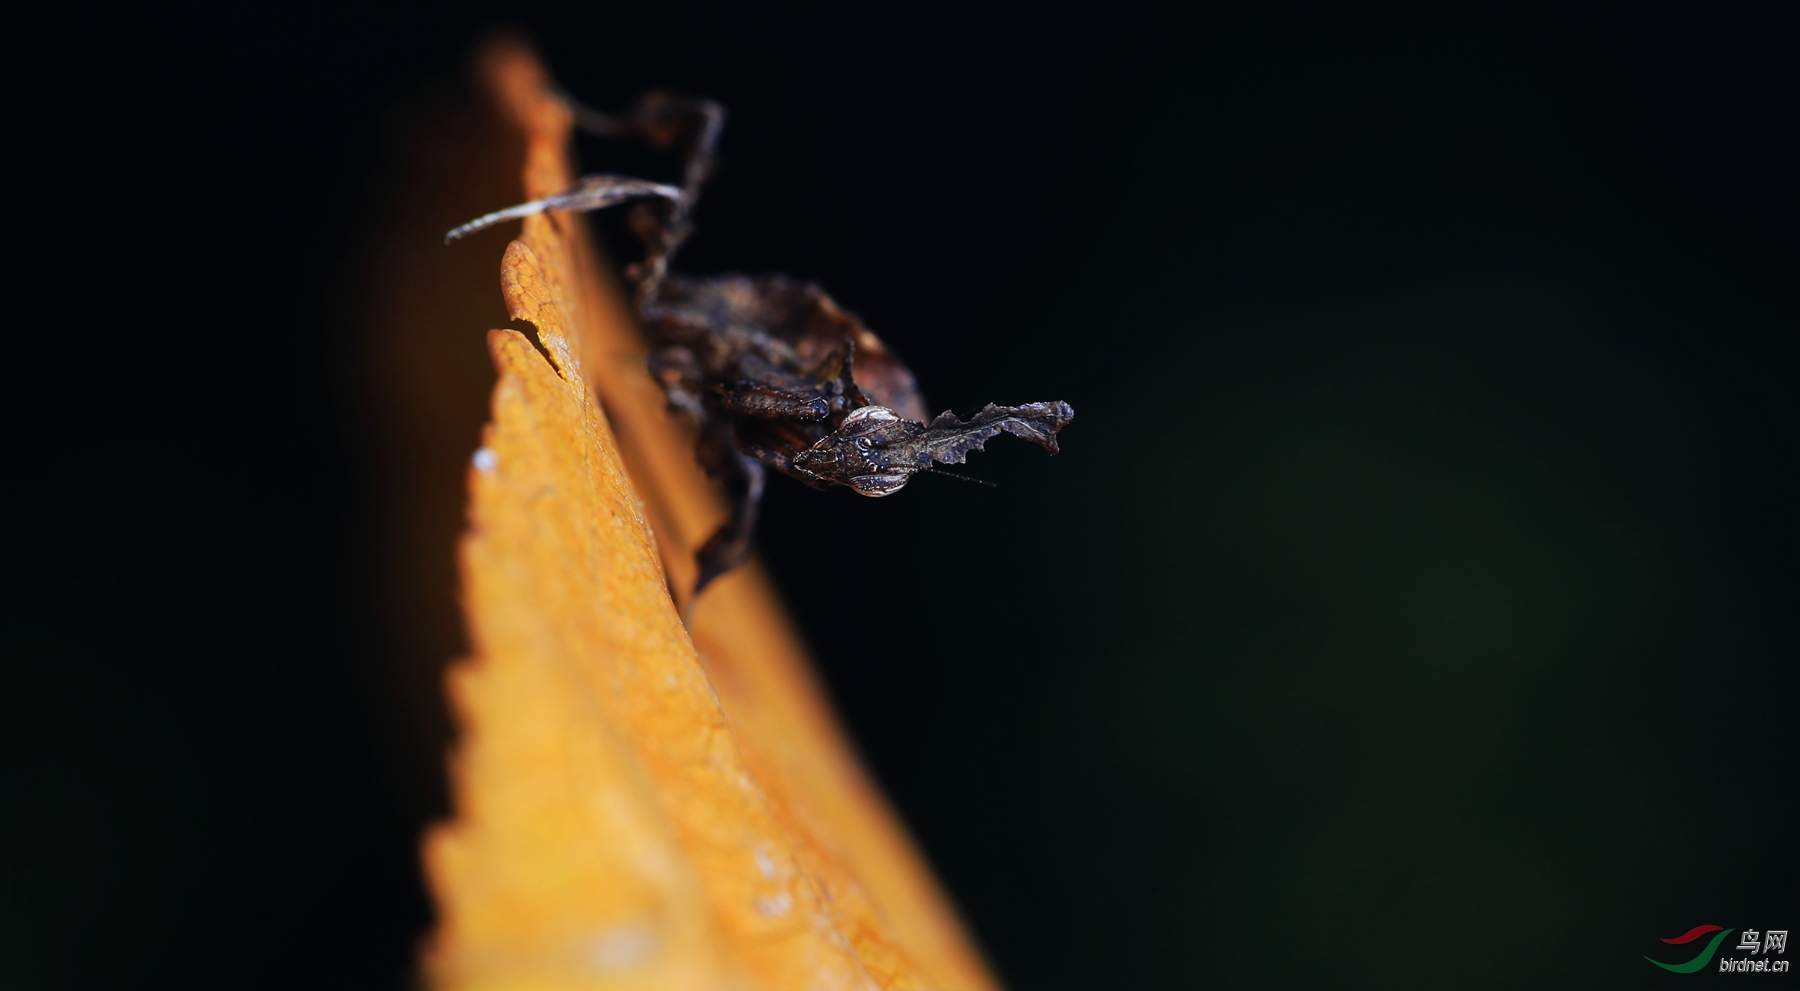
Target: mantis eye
pixel 876 486
pixel 880 414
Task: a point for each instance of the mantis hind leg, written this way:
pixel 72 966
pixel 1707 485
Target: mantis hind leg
pixel 664 121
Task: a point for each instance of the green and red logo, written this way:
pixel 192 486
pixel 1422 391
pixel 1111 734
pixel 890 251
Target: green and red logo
pixel 1702 958
pixel 1759 948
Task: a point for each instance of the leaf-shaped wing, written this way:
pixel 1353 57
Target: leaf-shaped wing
pixel 948 439
pixel 781 318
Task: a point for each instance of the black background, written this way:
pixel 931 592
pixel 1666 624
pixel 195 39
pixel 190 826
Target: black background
pixel 1413 603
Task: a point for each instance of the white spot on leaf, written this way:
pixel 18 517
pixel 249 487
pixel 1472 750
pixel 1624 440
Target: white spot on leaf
pixel 775 905
pixel 622 948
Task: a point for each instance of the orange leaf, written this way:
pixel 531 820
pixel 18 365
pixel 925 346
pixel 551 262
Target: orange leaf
pixel 636 807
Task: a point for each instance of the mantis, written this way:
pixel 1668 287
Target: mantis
pixel 772 371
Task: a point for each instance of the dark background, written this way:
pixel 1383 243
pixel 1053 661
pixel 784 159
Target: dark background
pixel 1413 603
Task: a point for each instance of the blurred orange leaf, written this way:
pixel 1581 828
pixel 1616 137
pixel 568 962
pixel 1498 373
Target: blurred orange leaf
pixel 637 806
